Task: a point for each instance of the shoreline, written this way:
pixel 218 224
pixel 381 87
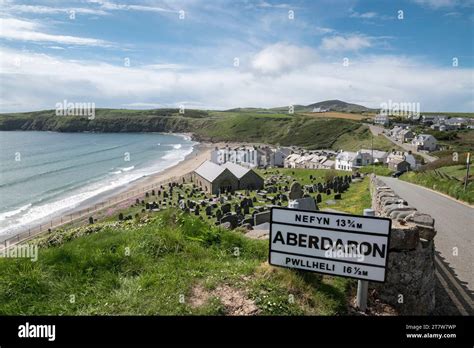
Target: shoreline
pixel 200 153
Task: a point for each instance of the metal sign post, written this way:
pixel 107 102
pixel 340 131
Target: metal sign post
pixel 363 285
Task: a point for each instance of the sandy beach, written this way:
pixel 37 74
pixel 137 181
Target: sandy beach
pixel 112 201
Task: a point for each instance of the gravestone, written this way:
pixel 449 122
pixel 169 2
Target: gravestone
pixel 260 218
pixel 225 208
pixel 306 203
pixel 318 198
pixel 295 191
pixel 232 219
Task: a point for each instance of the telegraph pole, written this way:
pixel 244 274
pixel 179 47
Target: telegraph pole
pixel 468 164
pixel 372 147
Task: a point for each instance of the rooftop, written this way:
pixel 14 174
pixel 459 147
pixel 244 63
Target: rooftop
pixel 209 170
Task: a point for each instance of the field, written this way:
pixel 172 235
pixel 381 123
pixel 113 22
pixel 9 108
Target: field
pixel 333 114
pixel 276 129
pixel 231 126
pixel 377 170
pixel 170 263
pixel 448 180
pixel 361 138
pixel 451 114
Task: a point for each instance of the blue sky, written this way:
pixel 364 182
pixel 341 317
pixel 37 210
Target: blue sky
pixel 146 54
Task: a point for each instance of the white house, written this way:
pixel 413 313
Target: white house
pixel 396 157
pixel 246 156
pixel 348 161
pixel 327 164
pixel 250 157
pixel 394 131
pixel 425 142
pixel 378 156
pixel 405 135
pixel 381 119
pixel 320 110
pixel 290 161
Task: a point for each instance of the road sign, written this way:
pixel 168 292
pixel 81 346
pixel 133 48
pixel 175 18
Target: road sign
pixel 331 243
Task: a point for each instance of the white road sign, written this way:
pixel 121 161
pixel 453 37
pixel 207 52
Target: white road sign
pixel 330 243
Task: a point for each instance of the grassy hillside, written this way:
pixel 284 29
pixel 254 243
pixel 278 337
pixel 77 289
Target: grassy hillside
pixel 361 138
pixel 333 105
pixel 273 128
pixel 451 114
pixel 276 128
pixel 170 264
pixel 448 180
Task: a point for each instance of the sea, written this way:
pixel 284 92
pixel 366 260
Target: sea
pixel 45 173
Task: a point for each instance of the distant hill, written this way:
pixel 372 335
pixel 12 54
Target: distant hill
pixel 332 105
pixel 338 105
pixel 242 126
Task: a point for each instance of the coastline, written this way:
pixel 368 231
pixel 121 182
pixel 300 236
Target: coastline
pixel 200 153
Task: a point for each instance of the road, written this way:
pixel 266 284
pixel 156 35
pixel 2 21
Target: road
pixel 377 130
pixel 454 223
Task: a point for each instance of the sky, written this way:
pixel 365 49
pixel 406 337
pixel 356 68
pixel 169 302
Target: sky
pixel 222 54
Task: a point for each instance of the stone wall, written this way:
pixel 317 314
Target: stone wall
pixel 410 285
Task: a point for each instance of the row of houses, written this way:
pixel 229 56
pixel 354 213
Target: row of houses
pixel 404 134
pixel 436 122
pixel 350 161
pixel 443 122
pixel 227 177
pixel 310 160
pixel 251 156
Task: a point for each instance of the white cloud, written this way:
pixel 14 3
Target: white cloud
pixel 108 5
pixel 52 10
pixel 264 4
pixel 346 43
pixel 282 58
pixel 437 3
pixel 365 15
pixel 24 30
pixel 36 81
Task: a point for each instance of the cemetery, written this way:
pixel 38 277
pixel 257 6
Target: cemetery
pixel 247 208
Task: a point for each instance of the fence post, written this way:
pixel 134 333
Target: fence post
pixel 363 285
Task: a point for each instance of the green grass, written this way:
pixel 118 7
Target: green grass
pixel 276 129
pixel 441 183
pixel 143 269
pixel 377 169
pixel 355 199
pixel 361 138
pixel 458 172
pixel 451 114
pixel 142 266
pixel 243 126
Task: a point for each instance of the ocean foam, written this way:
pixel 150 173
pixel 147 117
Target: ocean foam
pixel 29 215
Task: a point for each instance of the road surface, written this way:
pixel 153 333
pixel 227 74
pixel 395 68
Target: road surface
pixel 454 223
pixel 377 130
